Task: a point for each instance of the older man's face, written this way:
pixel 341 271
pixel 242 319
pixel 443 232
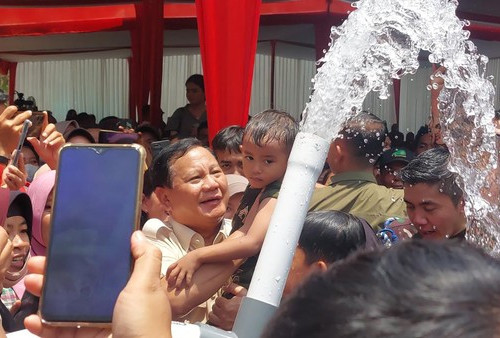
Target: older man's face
pixel 198 196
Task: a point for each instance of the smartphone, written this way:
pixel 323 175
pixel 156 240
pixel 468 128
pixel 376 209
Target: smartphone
pixel 96 208
pixel 24 133
pixel 117 137
pixel 36 119
pixel 36 124
pixel 158 146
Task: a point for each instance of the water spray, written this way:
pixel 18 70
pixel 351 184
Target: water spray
pixel 379 42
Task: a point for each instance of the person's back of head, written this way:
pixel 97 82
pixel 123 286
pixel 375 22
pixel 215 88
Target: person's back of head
pixel 415 289
pixel 331 236
pixel 228 139
pixel 161 168
pixel 364 135
pixel 272 125
pixel 431 167
pixel 109 123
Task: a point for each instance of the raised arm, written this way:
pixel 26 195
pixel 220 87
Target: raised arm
pixel 244 243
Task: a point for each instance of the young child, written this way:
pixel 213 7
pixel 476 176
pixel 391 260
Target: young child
pixel 267 142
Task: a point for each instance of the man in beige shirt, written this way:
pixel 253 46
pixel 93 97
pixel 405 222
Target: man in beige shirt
pixel 192 186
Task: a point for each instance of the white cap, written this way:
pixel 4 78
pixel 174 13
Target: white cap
pixel 236 184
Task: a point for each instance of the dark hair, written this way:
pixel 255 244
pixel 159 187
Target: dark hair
pixel 431 167
pixel 424 130
pixel 196 79
pixel 497 114
pixel 272 125
pixel 109 123
pixel 365 135
pixel 415 289
pixel 28 144
pixel 80 132
pixel 331 236
pixel 228 138
pixel 161 168
pixel 146 128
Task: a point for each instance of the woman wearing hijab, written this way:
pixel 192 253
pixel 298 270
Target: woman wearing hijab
pixel 40 193
pixel 18 226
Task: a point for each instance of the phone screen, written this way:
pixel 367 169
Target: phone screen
pixel 94 214
pixel 117 137
pixel 37 124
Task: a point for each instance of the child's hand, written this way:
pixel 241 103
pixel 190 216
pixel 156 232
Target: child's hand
pixel 14 178
pixel 184 268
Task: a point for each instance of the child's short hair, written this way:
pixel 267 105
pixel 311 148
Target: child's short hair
pixel 228 138
pixel 272 125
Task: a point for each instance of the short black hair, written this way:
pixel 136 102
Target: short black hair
pixel 330 236
pixel 431 167
pixel 228 138
pixel 161 168
pixel 146 128
pixel 365 135
pixel 415 289
pixel 497 114
pixel 423 130
pixel 272 125
pixel 196 79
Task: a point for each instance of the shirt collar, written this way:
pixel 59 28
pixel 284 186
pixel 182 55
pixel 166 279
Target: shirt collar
pixel 354 176
pixel 190 239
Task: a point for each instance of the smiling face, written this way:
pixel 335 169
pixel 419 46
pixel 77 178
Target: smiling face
pixel 198 197
pixel 432 212
pixel 264 164
pixel 17 229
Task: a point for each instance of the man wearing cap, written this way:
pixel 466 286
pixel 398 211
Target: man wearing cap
pixel 236 185
pixel 389 166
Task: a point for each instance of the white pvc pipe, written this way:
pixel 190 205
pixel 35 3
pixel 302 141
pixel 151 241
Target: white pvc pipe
pixel 305 163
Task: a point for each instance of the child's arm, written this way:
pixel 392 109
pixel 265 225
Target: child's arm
pixel 243 243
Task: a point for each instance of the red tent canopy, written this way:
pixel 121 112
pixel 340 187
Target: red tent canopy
pixel 146 22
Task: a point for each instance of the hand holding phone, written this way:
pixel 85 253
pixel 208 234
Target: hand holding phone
pixel 49 143
pixel 96 208
pixel 11 125
pixel 117 137
pixel 14 177
pixel 143 294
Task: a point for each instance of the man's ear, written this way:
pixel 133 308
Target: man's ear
pixel 162 194
pixel 320 265
pixel 461 205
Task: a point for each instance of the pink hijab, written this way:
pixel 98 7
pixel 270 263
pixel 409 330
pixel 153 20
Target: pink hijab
pixel 4 204
pixel 38 192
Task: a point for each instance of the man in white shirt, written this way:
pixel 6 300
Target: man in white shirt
pixel 192 186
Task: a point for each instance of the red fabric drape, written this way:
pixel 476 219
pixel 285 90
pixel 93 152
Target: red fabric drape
pixel 397 95
pixel 147 60
pixel 228 33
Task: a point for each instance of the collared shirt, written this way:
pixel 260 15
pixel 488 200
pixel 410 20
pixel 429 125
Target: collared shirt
pixel 359 194
pixel 175 240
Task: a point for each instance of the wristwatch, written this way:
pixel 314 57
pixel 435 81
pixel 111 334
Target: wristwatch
pixel 4 160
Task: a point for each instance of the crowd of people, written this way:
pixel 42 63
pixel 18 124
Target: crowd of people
pixel 382 250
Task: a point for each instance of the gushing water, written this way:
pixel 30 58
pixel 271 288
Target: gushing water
pixel 381 41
